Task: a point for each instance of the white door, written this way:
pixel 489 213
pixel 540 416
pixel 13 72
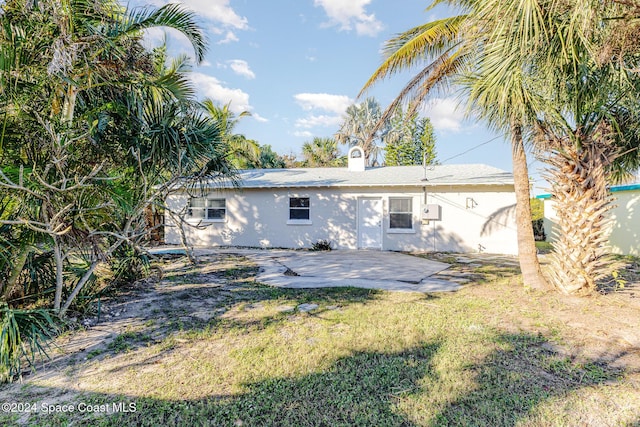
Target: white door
pixel 370 223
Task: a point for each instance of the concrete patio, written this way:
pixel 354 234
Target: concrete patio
pixel 390 271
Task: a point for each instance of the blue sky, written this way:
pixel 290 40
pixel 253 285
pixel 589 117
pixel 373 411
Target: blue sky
pixel 297 64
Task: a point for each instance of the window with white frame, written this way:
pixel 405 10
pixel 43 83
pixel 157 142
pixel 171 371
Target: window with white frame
pixel 401 213
pixel 207 209
pixel 299 208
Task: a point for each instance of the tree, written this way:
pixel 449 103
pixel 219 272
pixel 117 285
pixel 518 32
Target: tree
pixel 96 129
pixel 446 50
pixel 579 107
pixel 322 152
pixel 242 152
pixel 268 159
pixel 535 69
pixel 360 127
pixel 409 141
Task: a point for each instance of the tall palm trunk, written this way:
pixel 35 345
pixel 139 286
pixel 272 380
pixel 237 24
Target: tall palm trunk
pixel 527 253
pixel 579 188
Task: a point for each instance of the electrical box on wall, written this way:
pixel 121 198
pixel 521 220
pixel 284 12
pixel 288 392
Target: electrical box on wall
pixel 431 212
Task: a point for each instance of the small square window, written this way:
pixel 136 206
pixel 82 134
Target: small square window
pixel 401 213
pixel 208 209
pixel 299 208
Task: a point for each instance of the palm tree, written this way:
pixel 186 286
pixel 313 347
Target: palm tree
pixel 453 47
pixel 242 152
pixel 530 68
pixel 547 63
pixel 322 152
pixel 268 159
pixel 360 127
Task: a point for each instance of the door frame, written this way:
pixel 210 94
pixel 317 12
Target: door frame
pixel 359 222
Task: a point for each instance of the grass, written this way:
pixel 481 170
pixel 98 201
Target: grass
pixel 544 247
pixel 486 355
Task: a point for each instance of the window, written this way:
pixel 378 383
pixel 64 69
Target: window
pixel 207 209
pixel 299 208
pixel 400 213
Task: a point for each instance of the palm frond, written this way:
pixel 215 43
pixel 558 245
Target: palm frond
pixel 174 80
pixel 171 16
pixel 417 46
pixel 23 334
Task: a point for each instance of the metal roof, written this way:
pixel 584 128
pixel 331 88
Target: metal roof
pixel 389 176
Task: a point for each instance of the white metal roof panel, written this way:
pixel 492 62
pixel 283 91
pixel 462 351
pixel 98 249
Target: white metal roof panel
pixel 396 176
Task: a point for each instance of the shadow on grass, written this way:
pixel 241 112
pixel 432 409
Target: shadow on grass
pixel 197 311
pixel 513 381
pixel 252 298
pixel 403 388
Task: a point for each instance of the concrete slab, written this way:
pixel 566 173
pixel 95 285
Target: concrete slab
pixel 374 265
pixel 389 271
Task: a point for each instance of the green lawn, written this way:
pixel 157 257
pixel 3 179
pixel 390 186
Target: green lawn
pixel 489 355
pixel 544 247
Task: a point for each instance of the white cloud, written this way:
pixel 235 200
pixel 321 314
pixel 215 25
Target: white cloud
pixel 316 121
pixel 445 114
pixel 368 25
pixel 176 41
pixel 230 37
pixel 323 101
pixel 211 87
pixel 218 11
pixel 311 54
pixel 215 10
pixel 241 68
pixel 303 134
pixel 154 37
pixel 351 14
pixel 335 105
pixel 259 118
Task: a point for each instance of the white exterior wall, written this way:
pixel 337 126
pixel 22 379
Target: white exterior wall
pixel 625 231
pixel 549 219
pixel 260 218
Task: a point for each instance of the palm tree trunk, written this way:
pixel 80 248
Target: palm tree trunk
pixel 579 188
pixel 527 253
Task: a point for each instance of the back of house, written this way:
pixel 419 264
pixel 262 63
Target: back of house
pixel 456 208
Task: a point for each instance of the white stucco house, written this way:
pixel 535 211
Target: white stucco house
pixel 625 216
pixel 461 208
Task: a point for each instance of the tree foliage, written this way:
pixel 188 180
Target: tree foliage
pixel 552 74
pixel 268 159
pixel 322 152
pixel 241 152
pixel 95 130
pixel 409 141
pixel 579 108
pixel 403 137
pixel 360 127
pixel 537 209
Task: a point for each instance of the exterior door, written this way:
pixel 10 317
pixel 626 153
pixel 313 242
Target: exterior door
pixel 370 223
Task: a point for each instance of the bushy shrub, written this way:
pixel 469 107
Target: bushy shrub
pixel 322 245
pixel 24 334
